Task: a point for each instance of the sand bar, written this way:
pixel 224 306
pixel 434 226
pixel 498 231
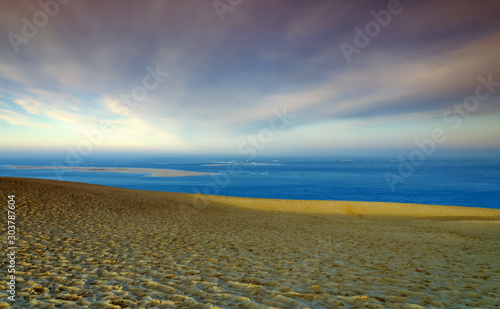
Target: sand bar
pixel 155 172
pixel 90 246
pixel 242 163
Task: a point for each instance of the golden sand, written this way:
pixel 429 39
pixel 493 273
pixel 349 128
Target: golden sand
pixel 89 246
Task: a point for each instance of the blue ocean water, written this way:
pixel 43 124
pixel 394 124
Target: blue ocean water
pixel 474 183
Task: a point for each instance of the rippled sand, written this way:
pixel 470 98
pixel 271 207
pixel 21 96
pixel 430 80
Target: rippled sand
pixel 102 247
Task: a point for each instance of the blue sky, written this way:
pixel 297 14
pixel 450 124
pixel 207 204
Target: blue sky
pixel 221 77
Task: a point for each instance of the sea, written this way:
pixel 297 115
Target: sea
pixel 457 182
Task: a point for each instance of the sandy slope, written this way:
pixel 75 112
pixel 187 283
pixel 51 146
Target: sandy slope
pixel 102 247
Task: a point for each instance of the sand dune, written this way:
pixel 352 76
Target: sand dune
pixel 89 246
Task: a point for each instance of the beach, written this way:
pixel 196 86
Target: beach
pixel 90 246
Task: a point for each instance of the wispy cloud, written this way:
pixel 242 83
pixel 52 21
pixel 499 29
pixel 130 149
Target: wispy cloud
pixel 226 78
pixel 19 119
pixel 31 106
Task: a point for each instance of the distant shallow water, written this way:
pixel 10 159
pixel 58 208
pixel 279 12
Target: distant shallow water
pixel 444 182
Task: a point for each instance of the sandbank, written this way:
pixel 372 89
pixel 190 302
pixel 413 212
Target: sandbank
pixel 155 172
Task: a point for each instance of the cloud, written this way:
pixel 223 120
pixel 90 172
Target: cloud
pixel 72 120
pixel 31 106
pixel 451 18
pixel 115 106
pixel 227 77
pixel 19 119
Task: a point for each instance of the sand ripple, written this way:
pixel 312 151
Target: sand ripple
pixel 86 246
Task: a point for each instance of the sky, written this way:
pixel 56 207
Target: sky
pixel 249 76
